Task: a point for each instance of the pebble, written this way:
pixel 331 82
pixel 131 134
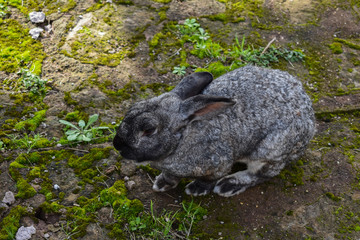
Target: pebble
pixel 56 187
pixel 37 17
pixel 48 28
pixel 9 198
pixel 130 185
pixel 35 32
pixel 24 233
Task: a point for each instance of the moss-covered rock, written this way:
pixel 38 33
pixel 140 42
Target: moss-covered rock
pixel 33 123
pixel 18 48
pixel 25 190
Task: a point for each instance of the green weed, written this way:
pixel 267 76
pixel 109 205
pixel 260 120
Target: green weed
pixel 236 55
pixel 32 82
pixel 27 142
pixel 180 70
pixel 167 224
pixel 189 27
pixel 83 133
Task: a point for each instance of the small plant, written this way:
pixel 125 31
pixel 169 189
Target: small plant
pixel 167 224
pixel 189 27
pixel 238 55
pixel 68 230
pixel 192 213
pixel 136 224
pixel 83 133
pixel 202 35
pixel 179 70
pixel 27 142
pixel 32 82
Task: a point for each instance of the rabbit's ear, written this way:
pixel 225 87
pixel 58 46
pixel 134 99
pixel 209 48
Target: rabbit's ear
pixel 204 106
pixel 192 84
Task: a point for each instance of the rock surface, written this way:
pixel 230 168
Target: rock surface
pixel 102 56
pixel 24 233
pixel 35 32
pixel 37 17
pixel 9 198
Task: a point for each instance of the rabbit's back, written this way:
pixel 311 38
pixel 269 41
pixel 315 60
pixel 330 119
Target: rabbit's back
pixel 272 111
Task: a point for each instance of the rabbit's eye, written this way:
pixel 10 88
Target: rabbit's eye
pixel 149 131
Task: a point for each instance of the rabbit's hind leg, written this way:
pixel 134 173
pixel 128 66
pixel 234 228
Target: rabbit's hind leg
pixel 199 187
pixel 165 182
pixel 257 172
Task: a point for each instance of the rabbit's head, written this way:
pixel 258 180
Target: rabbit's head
pixel 152 129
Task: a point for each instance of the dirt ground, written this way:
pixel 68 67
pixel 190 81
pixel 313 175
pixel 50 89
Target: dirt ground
pixel 95 49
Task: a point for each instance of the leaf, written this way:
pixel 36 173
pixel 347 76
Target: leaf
pixel 72 132
pixel 86 139
pixel 68 124
pixel 82 124
pixel 73 137
pixel 92 119
pixel 102 127
pixel 89 135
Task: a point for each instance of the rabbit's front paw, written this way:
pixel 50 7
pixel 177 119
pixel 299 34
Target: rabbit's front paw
pixel 164 183
pixel 199 188
pixel 229 186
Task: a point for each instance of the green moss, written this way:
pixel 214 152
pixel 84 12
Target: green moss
pixel 80 164
pixel 16 164
pixel 293 174
pixel 68 99
pixel 152 171
pixel 124 2
pixel 76 116
pixel 333 197
pixel 10 224
pixel 226 18
pixel 236 11
pixel 35 172
pixel 33 123
pixel 217 69
pixel 26 159
pixel 154 42
pixel 347 43
pixel 162 15
pixel 18 49
pixel 25 190
pixel 290 213
pixel 336 47
pixel 37 5
pixel 355 61
pixel 116 196
pixel 53 207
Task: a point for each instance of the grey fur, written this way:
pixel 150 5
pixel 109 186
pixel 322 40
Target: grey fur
pixel 261 117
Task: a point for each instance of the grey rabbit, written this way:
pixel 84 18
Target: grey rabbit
pixel 199 130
